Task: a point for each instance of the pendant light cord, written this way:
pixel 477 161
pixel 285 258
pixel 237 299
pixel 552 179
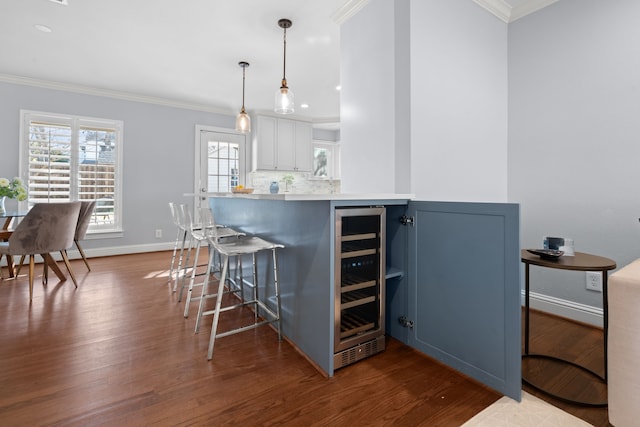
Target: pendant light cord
pixel 244 68
pixel 284 62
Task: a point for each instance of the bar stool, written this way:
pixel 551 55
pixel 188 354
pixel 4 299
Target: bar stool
pixel 237 248
pixel 198 233
pixel 185 227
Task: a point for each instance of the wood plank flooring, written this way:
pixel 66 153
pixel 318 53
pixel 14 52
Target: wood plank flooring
pixel 570 341
pixel 117 351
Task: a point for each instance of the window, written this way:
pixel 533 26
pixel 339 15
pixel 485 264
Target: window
pixel 326 160
pixel 219 160
pixel 223 170
pixel 65 158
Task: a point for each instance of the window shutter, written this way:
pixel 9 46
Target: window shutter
pixel 74 158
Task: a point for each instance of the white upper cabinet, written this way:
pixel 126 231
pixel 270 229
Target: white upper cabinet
pixel 303 147
pixel 282 144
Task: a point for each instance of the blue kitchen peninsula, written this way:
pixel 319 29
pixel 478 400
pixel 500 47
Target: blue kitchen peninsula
pixel 305 225
pixel 452 286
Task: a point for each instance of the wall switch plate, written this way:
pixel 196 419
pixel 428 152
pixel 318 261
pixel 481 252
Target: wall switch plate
pixel 158 233
pixel 594 281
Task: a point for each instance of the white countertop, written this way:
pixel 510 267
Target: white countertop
pixel 298 197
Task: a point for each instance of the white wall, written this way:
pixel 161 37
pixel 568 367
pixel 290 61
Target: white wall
pixel 574 133
pixel 367 104
pixel 458 102
pixel 424 100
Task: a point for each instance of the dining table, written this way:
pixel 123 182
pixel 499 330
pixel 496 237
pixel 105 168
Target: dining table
pixel 5 233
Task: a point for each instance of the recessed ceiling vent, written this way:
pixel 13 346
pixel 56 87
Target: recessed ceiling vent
pixel 62 2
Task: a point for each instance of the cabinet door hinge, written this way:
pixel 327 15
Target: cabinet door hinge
pixel 405 322
pixel 407 220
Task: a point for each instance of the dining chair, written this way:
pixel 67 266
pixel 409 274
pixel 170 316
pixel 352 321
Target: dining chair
pixel 84 218
pixel 46 228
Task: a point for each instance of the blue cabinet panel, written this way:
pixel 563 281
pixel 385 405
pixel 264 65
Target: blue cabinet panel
pixel 464 290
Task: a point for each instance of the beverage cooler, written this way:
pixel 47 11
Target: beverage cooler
pixel 359 284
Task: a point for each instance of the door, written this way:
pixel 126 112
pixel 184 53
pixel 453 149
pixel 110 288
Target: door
pixel 220 163
pixel 464 289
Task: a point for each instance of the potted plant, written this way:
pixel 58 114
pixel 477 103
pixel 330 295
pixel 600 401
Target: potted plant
pixel 288 180
pixel 13 189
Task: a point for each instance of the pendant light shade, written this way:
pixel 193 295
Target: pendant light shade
pixel 243 121
pixel 284 95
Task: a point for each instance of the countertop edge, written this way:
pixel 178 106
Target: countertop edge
pixel 311 197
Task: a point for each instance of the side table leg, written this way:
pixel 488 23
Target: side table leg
pixel 605 313
pixel 526 308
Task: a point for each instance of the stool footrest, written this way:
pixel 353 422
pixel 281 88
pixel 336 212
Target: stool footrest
pixel 259 304
pixel 245 328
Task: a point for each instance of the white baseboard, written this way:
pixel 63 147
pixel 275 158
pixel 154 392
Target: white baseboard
pixel 110 251
pixel 569 309
pixel 560 307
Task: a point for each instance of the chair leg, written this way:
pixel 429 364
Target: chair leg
pixel 19 266
pixel 84 257
pixel 32 268
pixel 68 264
pixel 45 270
pixel 10 266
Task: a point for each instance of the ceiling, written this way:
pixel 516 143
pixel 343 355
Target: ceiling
pixel 187 53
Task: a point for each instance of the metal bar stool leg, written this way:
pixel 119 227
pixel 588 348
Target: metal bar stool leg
pixel 205 287
pixel 173 257
pixel 255 288
pixel 276 284
pixel 216 314
pixel 179 266
pixel 192 280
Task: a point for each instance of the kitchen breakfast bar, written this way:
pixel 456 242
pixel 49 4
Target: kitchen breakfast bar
pixel 441 277
pixel 306 225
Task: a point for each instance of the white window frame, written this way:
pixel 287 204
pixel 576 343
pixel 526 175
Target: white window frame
pixel 333 161
pixel 76 123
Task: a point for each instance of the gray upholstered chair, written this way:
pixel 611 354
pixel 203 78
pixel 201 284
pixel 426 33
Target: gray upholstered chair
pixel 47 228
pixel 84 218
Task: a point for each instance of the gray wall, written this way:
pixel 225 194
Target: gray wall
pixel 574 148
pixel 158 155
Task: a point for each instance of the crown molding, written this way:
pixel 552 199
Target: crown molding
pixel 503 10
pixel 350 8
pixel 126 96
pixel 498 7
pixel 529 7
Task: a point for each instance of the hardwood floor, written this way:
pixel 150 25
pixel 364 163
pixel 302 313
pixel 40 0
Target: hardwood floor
pixel 117 351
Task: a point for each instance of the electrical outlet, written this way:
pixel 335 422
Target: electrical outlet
pixel 158 233
pixel 594 281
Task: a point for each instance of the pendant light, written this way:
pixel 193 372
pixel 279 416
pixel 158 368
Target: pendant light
pixel 243 121
pixel 284 96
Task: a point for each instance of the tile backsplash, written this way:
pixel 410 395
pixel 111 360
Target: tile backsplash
pixel 302 184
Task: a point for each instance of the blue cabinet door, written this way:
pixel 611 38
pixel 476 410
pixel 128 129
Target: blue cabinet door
pixel 464 289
